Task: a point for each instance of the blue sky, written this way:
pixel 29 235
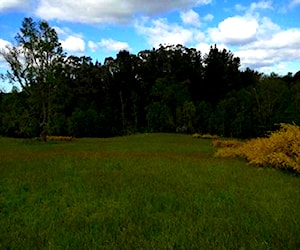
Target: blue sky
pixel 264 34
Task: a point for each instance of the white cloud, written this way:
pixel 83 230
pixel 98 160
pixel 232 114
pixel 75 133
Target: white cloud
pixel 113 11
pixel 190 18
pixel 70 41
pixel 108 45
pixel 73 44
pixel 259 42
pixel 254 6
pixel 208 17
pixel 261 5
pixel 267 28
pixel 263 45
pixel 240 7
pixel 261 59
pixel 62 31
pixel 256 57
pixel 3 45
pixel 14 4
pixel 93 46
pixel 112 45
pixel 160 31
pixel 204 48
pixel 294 3
pixel 4 86
pixel 279 49
pixel 235 31
pixel 286 39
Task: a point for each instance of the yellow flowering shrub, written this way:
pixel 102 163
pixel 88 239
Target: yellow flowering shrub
pixel 226 143
pixel 281 149
pixel 205 136
pixel 209 136
pixel 58 138
pixel 196 135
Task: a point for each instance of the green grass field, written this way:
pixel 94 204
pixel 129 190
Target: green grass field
pixel 145 191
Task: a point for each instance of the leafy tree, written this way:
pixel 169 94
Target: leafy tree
pixel 35 62
pixel 248 77
pixel 221 74
pixel 233 116
pixel 189 116
pixel 296 77
pixel 159 112
pixel 269 94
pixel 293 101
pixel 204 111
pixel 15 118
pixel 125 88
pixel 166 96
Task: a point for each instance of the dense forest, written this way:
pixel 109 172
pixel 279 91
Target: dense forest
pixel 168 89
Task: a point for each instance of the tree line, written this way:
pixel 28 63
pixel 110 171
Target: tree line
pixel 168 89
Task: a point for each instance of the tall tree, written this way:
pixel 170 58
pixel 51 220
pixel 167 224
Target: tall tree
pixel 221 74
pixel 125 90
pixel 35 62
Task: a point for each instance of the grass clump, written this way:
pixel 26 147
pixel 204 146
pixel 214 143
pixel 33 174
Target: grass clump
pixel 281 149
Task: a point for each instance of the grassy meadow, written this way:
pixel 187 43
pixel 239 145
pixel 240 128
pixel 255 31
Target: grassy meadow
pixel 145 191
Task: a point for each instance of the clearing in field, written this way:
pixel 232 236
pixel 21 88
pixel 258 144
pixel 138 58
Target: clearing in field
pixel 146 191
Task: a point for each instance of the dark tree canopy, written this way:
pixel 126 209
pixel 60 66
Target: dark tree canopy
pixel 168 89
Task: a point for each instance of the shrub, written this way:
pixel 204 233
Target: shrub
pixel 226 143
pixel 205 136
pixel 58 138
pixel 196 135
pixel 281 149
pixel 209 136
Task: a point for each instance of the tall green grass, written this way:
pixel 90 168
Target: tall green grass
pixel 147 191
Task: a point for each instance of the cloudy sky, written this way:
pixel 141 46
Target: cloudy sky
pixel 265 34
